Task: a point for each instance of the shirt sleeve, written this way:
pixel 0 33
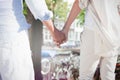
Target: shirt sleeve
pixel 83 3
pixel 39 9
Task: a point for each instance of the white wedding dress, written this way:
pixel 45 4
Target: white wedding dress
pixel 15 53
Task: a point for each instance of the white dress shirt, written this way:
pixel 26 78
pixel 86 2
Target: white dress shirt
pixel 11 13
pixel 103 17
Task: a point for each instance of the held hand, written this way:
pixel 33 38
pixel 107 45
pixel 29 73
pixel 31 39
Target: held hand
pixel 58 37
pixel 65 33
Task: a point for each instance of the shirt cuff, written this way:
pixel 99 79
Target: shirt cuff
pixel 46 15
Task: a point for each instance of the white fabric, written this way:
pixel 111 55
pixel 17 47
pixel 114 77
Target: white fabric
pixel 110 19
pixel 100 38
pixel 83 3
pixel 104 19
pixel 39 9
pixel 11 13
pixel 11 16
pixel 15 57
pixel 89 59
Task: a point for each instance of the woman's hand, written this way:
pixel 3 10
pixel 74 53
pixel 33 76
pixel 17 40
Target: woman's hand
pixel 65 32
pixel 58 37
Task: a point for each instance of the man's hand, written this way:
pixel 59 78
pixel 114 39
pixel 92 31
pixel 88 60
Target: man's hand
pixel 58 37
pixel 65 32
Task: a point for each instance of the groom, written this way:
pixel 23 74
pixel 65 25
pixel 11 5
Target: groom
pixel 95 45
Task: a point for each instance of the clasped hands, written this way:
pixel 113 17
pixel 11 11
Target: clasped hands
pixel 59 37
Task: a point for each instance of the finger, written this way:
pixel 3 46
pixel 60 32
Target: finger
pixel 58 45
pixel 64 40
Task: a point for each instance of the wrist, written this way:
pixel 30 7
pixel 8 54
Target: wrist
pixel 49 25
pixel 65 30
pixel 53 31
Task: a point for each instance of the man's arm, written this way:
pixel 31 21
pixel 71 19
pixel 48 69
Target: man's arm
pixel 73 14
pixel 57 35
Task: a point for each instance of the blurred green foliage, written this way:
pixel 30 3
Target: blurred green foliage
pixel 24 8
pixel 60 10
pixel 81 18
